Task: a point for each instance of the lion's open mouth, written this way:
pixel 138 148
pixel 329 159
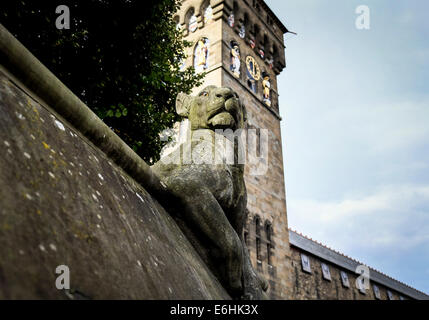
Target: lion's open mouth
pixel 225 116
pixel 222 120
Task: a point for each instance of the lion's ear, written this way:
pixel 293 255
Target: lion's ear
pixel 183 104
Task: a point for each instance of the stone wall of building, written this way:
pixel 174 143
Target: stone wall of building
pixel 312 286
pixel 339 281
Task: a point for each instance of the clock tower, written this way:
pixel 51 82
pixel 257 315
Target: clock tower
pixel 239 44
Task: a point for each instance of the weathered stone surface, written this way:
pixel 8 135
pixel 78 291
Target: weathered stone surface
pixel 205 175
pixel 63 202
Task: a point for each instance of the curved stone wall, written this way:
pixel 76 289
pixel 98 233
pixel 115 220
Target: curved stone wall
pixel 64 202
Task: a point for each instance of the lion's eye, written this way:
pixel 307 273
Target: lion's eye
pixel 204 94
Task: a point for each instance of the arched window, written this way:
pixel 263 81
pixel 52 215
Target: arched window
pixel 258 249
pixel 264 47
pixel 244 26
pixel 235 8
pixel 255 5
pixel 258 237
pixel 268 231
pixel 176 20
pixel 233 15
pixel 207 12
pixel 246 20
pixel 256 31
pixel 257 225
pixel 275 52
pixel 268 234
pixel 191 20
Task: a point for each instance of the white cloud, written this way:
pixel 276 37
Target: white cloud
pixel 381 127
pixel 392 219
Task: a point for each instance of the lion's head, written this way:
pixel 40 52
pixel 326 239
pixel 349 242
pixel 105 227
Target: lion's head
pixel 213 108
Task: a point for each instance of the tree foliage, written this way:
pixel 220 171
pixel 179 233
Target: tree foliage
pixel 121 57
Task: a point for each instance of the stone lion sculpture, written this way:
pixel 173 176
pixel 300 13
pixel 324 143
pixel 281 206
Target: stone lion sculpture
pixel 208 192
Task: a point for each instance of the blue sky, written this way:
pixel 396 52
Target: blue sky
pixel 355 108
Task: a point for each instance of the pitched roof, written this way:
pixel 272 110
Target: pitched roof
pixel 322 251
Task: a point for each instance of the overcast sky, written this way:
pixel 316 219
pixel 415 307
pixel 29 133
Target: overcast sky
pixel 355 108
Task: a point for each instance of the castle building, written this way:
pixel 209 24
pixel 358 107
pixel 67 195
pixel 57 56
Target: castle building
pixel 240 44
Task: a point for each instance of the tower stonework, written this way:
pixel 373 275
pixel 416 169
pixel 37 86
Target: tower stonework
pixel 239 44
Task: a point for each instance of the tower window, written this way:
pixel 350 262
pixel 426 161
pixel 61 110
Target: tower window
pixel 258 237
pixel 268 232
pixel 191 20
pixel 207 12
pixel 258 249
pixel 257 226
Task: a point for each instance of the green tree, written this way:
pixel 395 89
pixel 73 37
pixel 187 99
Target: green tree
pixel 121 57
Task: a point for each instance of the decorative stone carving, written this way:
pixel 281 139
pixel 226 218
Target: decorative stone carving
pixel 235 59
pixel 201 55
pixel 267 89
pixel 193 23
pixel 252 43
pixel 208 196
pixel 231 20
pixel 242 31
pixel 208 15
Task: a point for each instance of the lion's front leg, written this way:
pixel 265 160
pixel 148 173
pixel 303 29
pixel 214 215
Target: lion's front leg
pixel 253 286
pixel 203 212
